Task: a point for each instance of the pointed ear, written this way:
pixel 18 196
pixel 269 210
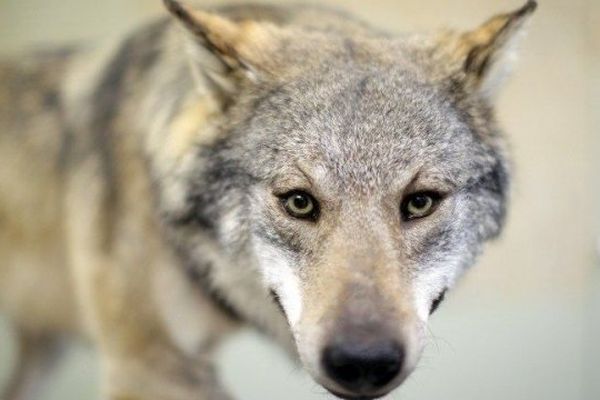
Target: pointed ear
pixel 486 54
pixel 242 46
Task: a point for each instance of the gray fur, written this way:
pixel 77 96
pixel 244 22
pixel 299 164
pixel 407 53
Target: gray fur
pixel 281 99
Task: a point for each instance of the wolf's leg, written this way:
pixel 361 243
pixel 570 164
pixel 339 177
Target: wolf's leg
pixel 37 354
pixel 126 278
pixel 140 358
pixel 162 375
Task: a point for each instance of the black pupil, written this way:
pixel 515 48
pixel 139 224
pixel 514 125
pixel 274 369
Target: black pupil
pixel 301 202
pixel 420 201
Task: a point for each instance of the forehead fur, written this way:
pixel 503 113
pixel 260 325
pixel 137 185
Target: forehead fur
pixel 366 124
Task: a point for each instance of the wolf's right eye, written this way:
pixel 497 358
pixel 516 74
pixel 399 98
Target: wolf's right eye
pixel 419 205
pixel 301 205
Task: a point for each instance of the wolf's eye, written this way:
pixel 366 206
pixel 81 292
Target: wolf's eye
pixel 419 205
pixel 300 205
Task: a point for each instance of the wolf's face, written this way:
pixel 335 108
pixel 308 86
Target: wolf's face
pixel 373 193
pixel 368 176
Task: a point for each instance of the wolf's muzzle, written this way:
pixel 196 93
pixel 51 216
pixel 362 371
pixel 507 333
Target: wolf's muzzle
pixel 363 368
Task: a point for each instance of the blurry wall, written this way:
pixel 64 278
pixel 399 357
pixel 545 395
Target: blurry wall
pixel 525 323
pixel 592 365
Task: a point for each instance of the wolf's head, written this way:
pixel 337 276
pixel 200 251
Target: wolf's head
pixel 359 173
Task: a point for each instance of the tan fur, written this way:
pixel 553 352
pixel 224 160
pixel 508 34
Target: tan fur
pixel 55 271
pixel 34 284
pixel 184 128
pixel 83 240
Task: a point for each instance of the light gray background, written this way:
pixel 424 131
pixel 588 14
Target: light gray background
pixel 525 324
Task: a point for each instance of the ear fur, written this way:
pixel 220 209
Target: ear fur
pixel 487 54
pixel 242 46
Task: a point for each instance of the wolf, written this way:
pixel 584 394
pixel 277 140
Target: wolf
pixel 288 168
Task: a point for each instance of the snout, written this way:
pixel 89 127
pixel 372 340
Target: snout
pixel 363 368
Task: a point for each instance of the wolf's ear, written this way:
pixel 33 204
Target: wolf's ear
pixel 486 54
pixel 240 46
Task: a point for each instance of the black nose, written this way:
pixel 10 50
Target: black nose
pixel 363 368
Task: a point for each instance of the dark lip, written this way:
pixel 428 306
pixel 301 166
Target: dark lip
pixel 355 397
pixel 277 300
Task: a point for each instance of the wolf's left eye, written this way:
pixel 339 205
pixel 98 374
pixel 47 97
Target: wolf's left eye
pixel 300 205
pixel 419 205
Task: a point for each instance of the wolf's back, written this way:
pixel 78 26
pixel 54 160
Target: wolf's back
pixel 32 140
pixel 32 146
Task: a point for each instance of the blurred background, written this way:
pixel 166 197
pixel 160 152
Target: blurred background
pixel 524 324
